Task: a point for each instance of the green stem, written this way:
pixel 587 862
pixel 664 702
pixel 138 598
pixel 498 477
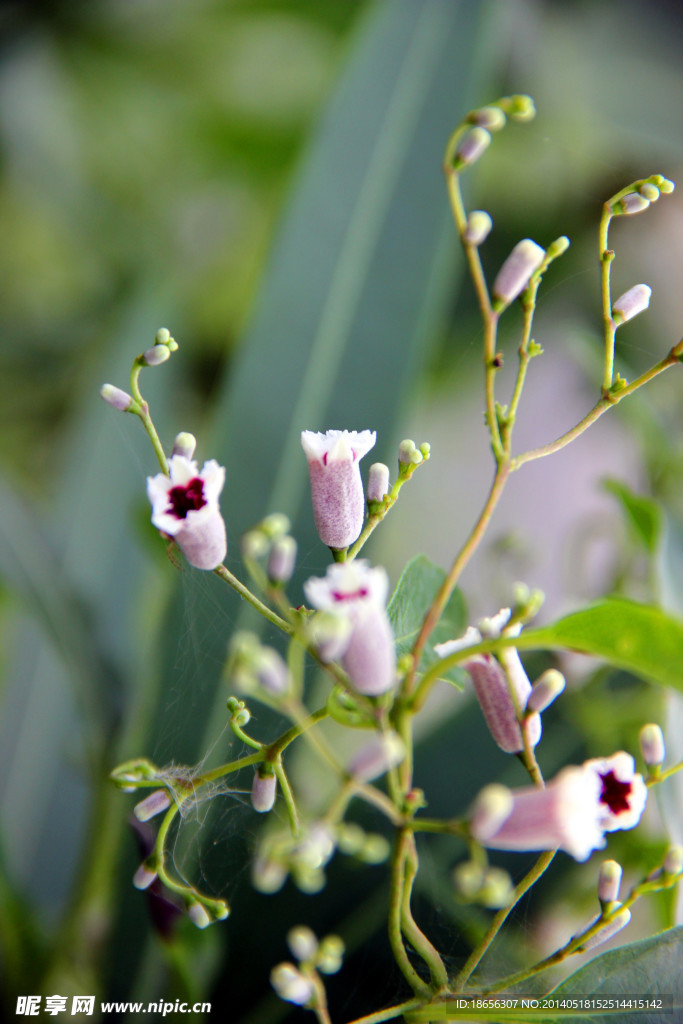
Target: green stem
pixel 477 954
pixel 606 257
pixel 447 587
pixel 412 932
pixel 145 417
pixel 395 917
pixel 603 404
pixel 390 1013
pixel 288 796
pixel 237 585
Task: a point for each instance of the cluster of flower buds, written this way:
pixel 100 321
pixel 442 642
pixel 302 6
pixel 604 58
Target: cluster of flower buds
pixel 478 883
pixel 572 813
pixel 185 505
pixel 353 598
pixel 270 539
pixel 366 847
pixel 643 193
pixel 255 668
pixel 336 486
pixel 484 121
pixel 511 705
pixel 303 857
pixel 300 985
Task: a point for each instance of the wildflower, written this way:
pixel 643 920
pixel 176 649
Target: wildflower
pixel 185 506
pixel 336 486
pixel 572 813
pixel 357 593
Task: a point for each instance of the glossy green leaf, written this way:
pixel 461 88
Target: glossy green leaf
pixel 642 513
pixel 416 589
pixel 645 969
pixel 637 637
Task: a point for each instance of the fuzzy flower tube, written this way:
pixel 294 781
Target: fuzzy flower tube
pixel 357 594
pixel 572 813
pixel 185 507
pixel 336 485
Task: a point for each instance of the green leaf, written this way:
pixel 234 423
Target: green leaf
pixel 416 589
pixel 640 638
pixel 645 969
pixel 643 514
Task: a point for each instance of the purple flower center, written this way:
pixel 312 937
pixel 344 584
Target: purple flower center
pixel 615 793
pixel 186 498
pixel 353 595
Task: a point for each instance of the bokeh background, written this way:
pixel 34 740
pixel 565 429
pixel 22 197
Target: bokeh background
pixel 263 177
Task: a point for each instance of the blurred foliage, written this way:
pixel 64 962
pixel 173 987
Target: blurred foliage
pixel 263 175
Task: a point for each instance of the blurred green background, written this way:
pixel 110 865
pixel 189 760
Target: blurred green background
pixel 264 179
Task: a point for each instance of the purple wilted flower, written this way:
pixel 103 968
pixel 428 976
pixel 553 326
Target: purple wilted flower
pixel 336 486
pixel 572 813
pixel 357 593
pixel 185 506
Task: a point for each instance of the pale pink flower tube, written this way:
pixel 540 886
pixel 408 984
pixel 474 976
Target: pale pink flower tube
pixel 185 506
pixel 336 485
pixel 357 593
pixel 572 813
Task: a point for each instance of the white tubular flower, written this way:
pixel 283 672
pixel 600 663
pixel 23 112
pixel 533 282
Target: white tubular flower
pixel 632 302
pixel 623 793
pixel 571 813
pixel 336 486
pixel 354 591
pixel 291 985
pixel 185 506
pixel 513 276
pixel 263 790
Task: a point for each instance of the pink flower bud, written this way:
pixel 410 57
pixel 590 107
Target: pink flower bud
pixel 608 930
pixel 281 559
pixel 185 506
pixel 144 877
pixel 470 148
pixel 632 302
pixel 514 275
pixel 336 485
pixel 546 688
pixel 354 591
pixel 291 985
pixel 156 355
pixel 115 397
pixel 491 118
pixel 155 803
pixel 673 861
pixel 376 757
pixel 263 790
pixel 634 202
pixel 609 881
pixel 493 688
pixel 184 444
pixel 479 225
pixel 198 915
pixel 652 745
pixel 378 481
